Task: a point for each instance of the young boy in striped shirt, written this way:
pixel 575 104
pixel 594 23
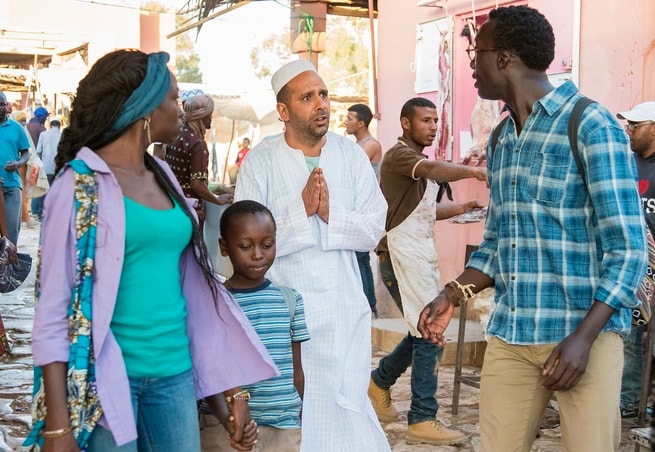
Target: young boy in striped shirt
pixel 277 314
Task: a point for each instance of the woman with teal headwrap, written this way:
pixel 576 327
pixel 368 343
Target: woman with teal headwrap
pixel 131 326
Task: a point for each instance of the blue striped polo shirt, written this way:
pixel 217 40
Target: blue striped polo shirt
pixel 274 402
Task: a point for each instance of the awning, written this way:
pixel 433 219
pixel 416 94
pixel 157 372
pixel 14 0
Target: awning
pixel 64 77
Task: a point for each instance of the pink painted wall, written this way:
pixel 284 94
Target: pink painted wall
pixel 617 57
pixel 396 40
pixel 616 67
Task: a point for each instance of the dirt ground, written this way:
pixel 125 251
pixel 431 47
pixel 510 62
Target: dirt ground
pixel 467 417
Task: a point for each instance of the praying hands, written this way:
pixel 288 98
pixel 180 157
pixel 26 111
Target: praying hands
pixel 316 196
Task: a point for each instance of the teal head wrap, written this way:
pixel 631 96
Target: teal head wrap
pixel 150 93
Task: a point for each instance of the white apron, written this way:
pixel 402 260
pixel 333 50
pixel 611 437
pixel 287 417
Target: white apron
pixel 414 257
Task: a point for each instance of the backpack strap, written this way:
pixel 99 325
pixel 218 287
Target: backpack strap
pixel 289 299
pixel 574 123
pixel 495 135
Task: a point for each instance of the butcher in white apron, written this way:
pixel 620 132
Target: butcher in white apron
pixel 414 257
pixel 409 267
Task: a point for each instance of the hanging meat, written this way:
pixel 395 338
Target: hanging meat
pixel 485 115
pixel 443 134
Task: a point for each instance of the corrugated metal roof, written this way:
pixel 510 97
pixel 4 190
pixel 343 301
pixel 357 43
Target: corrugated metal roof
pixel 203 8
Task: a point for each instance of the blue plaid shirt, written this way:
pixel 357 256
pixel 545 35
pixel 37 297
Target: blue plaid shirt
pixel 552 245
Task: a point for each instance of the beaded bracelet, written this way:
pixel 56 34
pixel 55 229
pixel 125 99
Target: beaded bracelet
pixel 241 395
pixel 56 433
pixel 465 292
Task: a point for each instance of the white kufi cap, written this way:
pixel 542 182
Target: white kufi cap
pixel 288 72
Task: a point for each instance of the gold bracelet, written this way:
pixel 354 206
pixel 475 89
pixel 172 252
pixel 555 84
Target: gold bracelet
pixel 465 292
pixel 56 433
pixel 241 395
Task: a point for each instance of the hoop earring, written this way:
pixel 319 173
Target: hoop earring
pixel 146 127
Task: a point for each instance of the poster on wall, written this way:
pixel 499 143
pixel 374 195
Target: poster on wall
pixel 434 55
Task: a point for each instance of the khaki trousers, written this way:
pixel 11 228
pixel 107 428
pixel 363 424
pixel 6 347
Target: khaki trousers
pixel 214 438
pixel 512 400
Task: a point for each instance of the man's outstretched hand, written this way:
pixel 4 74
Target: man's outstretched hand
pixel 434 319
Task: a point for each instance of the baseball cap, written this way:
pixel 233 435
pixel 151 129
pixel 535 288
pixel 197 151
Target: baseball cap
pixel 288 72
pixel 41 112
pixel 641 112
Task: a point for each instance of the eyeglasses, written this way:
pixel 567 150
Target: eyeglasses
pixel 473 51
pixel 631 127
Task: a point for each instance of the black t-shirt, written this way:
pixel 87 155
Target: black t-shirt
pixel 646 176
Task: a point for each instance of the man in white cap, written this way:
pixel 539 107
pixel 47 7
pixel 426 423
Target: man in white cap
pixel 327 204
pixel 640 128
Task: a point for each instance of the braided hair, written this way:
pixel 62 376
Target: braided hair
pixel 99 102
pixel 100 99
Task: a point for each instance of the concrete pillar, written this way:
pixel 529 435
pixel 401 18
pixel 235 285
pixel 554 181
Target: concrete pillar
pixel 318 12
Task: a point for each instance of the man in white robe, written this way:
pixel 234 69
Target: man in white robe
pixel 326 202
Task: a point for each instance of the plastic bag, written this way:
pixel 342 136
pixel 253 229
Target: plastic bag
pixel 14 267
pixel 37 180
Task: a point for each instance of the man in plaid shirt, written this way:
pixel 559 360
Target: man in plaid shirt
pixel 565 252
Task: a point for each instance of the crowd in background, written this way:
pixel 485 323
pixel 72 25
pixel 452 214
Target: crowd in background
pixel 131 331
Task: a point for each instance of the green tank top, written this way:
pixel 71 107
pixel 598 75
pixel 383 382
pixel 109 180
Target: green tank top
pixel 149 321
